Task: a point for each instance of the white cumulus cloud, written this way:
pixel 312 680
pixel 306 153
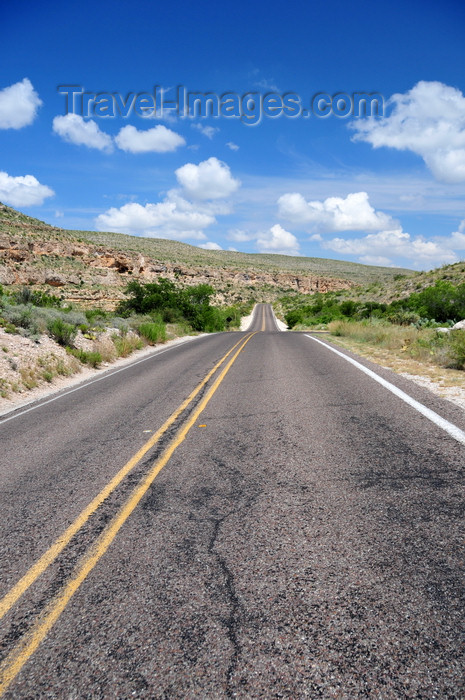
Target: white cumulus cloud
pixel 174 218
pixel 232 146
pixel 18 105
pixel 386 246
pixel 208 131
pixel 456 240
pixel 210 245
pixel 429 120
pixel 240 236
pixel 22 191
pixel 210 179
pixel 354 213
pixel 74 129
pixel 278 240
pixel 159 139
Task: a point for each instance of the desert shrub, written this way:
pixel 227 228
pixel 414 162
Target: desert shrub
pixel 294 317
pixel 75 318
pixel 349 308
pixel 404 317
pixel 97 318
pixel 208 319
pixel 7 326
pixel 63 333
pixel 457 349
pixel 4 388
pixel 171 315
pixel 371 309
pixel 126 344
pixel 87 357
pixel 232 316
pixel 106 349
pixel 37 298
pixel 29 377
pixel 153 332
pixel 120 323
pixel 149 297
pixel 22 317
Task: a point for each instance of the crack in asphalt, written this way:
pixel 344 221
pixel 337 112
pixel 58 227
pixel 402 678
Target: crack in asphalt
pixel 231 623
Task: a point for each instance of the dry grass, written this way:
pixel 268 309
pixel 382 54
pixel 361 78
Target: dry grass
pixel 45 368
pixel 126 344
pixel 402 349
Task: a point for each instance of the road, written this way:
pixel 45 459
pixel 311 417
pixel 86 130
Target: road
pixel 247 515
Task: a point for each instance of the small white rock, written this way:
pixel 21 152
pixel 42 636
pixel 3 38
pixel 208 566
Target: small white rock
pixel 458 326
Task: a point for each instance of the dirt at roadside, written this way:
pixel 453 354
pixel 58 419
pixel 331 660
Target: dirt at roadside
pixel 32 370
pixel 26 365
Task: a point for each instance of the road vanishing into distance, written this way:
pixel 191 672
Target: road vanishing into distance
pixel 244 515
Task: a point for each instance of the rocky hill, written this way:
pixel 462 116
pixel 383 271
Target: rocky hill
pixel 93 268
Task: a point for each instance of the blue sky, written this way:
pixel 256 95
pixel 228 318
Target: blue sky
pixel 389 190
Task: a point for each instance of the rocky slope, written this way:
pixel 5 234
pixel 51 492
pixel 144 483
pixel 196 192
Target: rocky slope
pixel 93 269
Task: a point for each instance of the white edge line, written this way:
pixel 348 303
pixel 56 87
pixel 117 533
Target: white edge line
pixel 108 373
pixel 434 417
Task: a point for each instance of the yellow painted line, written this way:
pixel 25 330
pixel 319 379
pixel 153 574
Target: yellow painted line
pixel 263 319
pixel 14 662
pixel 37 569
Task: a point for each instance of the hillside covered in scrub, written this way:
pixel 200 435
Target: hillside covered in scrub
pixel 43 337
pixel 92 268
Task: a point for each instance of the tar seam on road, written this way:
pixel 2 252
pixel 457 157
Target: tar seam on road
pixel 57 547
pixel 14 662
pixel 434 417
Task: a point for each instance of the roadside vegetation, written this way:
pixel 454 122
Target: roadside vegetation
pixel 150 314
pixel 418 326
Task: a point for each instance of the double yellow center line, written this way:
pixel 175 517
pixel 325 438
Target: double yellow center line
pixel 14 662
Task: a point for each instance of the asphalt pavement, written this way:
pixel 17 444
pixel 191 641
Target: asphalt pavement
pixel 248 515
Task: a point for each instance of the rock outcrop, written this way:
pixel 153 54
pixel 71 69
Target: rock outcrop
pixel 41 256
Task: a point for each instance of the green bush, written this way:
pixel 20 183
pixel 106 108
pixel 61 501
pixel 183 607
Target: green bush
pixel 87 357
pixel 95 317
pixel 294 317
pixel 457 349
pixel 403 317
pixel 153 332
pixel 63 333
pixel 232 316
pixel 174 304
pixel 441 302
pixel 37 298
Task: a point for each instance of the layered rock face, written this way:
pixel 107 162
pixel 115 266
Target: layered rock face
pixel 55 260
